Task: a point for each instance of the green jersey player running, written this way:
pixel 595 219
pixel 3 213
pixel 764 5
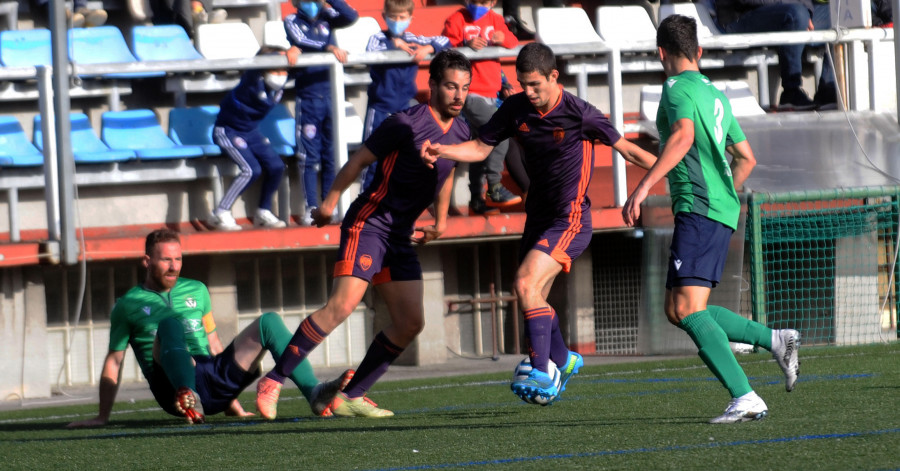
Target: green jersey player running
pixel 168 322
pixel 696 128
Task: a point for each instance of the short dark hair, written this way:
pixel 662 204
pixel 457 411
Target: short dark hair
pixel 677 34
pixel 536 57
pixel 448 59
pixel 159 236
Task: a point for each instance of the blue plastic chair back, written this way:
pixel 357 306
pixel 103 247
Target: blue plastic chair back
pixel 25 47
pixel 140 131
pixel 103 45
pixel 279 126
pixel 15 148
pixel 194 126
pixel 87 148
pixel 162 43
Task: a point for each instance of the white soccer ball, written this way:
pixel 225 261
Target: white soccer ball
pixel 523 369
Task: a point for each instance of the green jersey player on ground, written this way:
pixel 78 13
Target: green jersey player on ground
pixel 168 322
pixel 696 128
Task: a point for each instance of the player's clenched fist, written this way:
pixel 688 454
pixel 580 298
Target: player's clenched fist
pixel 320 217
pixel 430 153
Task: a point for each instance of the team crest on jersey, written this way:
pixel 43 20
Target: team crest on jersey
pixel 309 130
pixel 558 135
pixel 365 262
pixel 190 302
pixel 146 310
pixel 192 325
pixel 240 143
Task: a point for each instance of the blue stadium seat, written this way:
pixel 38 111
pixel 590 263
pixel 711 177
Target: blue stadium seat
pixel 15 148
pixel 162 43
pixel 279 127
pixel 87 148
pixel 25 47
pixel 194 126
pixel 140 131
pixel 103 45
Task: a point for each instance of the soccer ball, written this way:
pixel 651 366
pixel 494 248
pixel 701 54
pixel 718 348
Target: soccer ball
pixel 523 369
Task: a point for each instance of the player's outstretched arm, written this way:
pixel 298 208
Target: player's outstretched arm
pixel 469 151
pixel 441 207
pixel 109 387
pixel 634 153
pixel 742 162
pixel 348 174
pixel 678 144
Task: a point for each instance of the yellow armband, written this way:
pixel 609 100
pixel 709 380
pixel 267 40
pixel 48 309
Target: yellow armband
pixel 209 324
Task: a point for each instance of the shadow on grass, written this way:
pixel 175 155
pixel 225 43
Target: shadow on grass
pixel 167 428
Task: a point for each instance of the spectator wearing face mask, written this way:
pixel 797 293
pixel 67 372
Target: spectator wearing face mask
pixel 477 26
pixel 237 132
pixel 311 29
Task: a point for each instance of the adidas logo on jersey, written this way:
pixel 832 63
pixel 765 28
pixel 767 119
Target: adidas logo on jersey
pixel 544 243
pixel 524 127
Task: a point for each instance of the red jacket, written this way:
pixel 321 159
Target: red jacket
pixel 460 27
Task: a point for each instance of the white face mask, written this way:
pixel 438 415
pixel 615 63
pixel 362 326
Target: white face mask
pixel 275 81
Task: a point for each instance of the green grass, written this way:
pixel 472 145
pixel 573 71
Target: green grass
pixel 648 415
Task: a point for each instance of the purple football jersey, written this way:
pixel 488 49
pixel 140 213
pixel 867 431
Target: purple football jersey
pixel 404 186
pixel 558 150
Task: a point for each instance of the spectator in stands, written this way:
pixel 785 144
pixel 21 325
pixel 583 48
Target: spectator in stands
pixel 393 86
pixel 757 16
pixel 186 13
pixel 311 30
pixel 80 16
pixel 697 131
pixel 169 324
pixel 237 132
pixel 477 26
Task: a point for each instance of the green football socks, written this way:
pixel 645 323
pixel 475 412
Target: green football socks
pixel 740 329
pixel 174 356
pixel 714 350
pixel 275 337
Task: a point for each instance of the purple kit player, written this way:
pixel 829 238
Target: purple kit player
pixel 556 131
pixel 377 235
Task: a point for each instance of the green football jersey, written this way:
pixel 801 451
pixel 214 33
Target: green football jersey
pixel 701 183
pixel 135 317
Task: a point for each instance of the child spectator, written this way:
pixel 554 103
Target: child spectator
pixel 310 30
pixel 477 27
pixel 237 132
pixel 393 86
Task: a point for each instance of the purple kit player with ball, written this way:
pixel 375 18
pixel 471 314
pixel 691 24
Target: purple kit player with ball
pixel 377 235
pixel 556 131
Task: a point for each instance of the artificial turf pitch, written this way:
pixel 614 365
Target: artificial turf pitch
pixel 647 415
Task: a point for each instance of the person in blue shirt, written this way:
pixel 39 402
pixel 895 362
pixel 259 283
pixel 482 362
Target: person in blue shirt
pixel 237 132
pixel 393 87
pixel 311 30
